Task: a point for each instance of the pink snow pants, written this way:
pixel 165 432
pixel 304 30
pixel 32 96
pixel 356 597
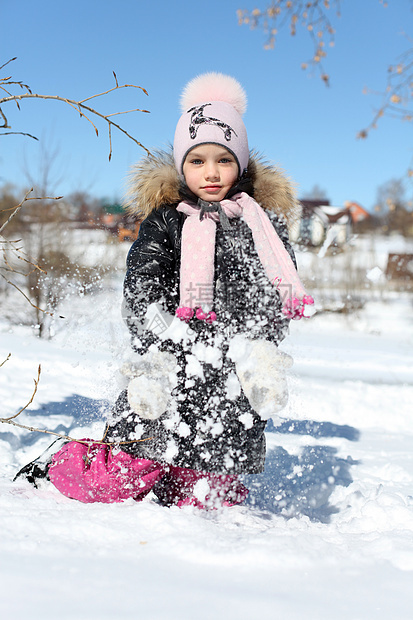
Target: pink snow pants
pixel 96 473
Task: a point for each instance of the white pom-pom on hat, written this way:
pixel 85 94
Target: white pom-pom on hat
pixel 212 105
pixel 214 87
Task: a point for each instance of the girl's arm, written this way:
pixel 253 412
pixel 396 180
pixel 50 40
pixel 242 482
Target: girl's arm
pixel 151 274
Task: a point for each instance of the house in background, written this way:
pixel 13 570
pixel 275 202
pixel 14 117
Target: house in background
pixel 119 222
pixel 358 214
pixel 325 225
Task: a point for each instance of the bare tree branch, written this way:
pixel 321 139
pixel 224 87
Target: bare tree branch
pixel 117 87
pixel 79 106
pixel 397 98
pixel 27 199
pixel 11 420
pixel 8 62
pixel 6 86
pixel 86 442
pixel 18 133
pixel 311 15
pixel 36 383
pixel 6 360
pixel 24 295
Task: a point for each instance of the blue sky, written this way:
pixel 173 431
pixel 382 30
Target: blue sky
pixel 71 49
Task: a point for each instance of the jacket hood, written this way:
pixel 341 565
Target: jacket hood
pixel 154 182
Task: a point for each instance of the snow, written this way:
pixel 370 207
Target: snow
pixel 327 532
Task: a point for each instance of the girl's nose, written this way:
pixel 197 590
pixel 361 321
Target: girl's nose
pixel 211 172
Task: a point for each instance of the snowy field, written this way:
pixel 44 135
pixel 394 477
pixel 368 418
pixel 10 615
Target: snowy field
pixel 327 532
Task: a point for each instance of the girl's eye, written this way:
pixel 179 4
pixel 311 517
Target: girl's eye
pixel 225 160
pixel 196 161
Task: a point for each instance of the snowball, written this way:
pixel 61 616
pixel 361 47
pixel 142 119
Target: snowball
pixel 147 397
pixel 193 367
pixel 208 354
pixel 201 489
pixel 232 386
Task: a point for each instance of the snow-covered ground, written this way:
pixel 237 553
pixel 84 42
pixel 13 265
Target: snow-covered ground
pixel 327 532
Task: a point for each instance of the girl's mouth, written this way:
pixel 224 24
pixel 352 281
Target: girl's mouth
pixel 212 188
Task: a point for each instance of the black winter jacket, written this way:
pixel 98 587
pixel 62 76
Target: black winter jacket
pixel 204 427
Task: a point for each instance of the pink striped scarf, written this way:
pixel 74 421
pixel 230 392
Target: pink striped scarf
pixel 198 252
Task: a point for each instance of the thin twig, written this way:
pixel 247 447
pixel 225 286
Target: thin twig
pixel 15 212
pixel 86 442
pixel 10 269
pixel 25 296
pixel 10 82
pixel 79 106
pixel 126 112
pixel 110 141
pixel 33 305
pixel 312 16
pixel 397 95
pixel 6 360
pixel 35 266
pixel 110 90
pixel 26 199
pixel 18 252
pixel 20 255
pixel 11 420
pixel 5 125
pixel 36 383
pixel 8 62
pixel 18 133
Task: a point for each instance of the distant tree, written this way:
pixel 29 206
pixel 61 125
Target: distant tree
pixel 84 206
pixel 393 209
pixel 316 193
pixel 401 220
pixel 390 195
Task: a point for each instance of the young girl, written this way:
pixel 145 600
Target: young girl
pixel 210 287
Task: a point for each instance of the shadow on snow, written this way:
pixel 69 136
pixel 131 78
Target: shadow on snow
pixel 291 485
pixel 79 410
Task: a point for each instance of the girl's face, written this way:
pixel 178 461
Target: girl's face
pixel 210 171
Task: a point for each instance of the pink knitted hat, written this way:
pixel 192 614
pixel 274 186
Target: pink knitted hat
pixel 212 106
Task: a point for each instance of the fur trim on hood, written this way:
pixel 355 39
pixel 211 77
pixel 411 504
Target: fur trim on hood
pixel 154 182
